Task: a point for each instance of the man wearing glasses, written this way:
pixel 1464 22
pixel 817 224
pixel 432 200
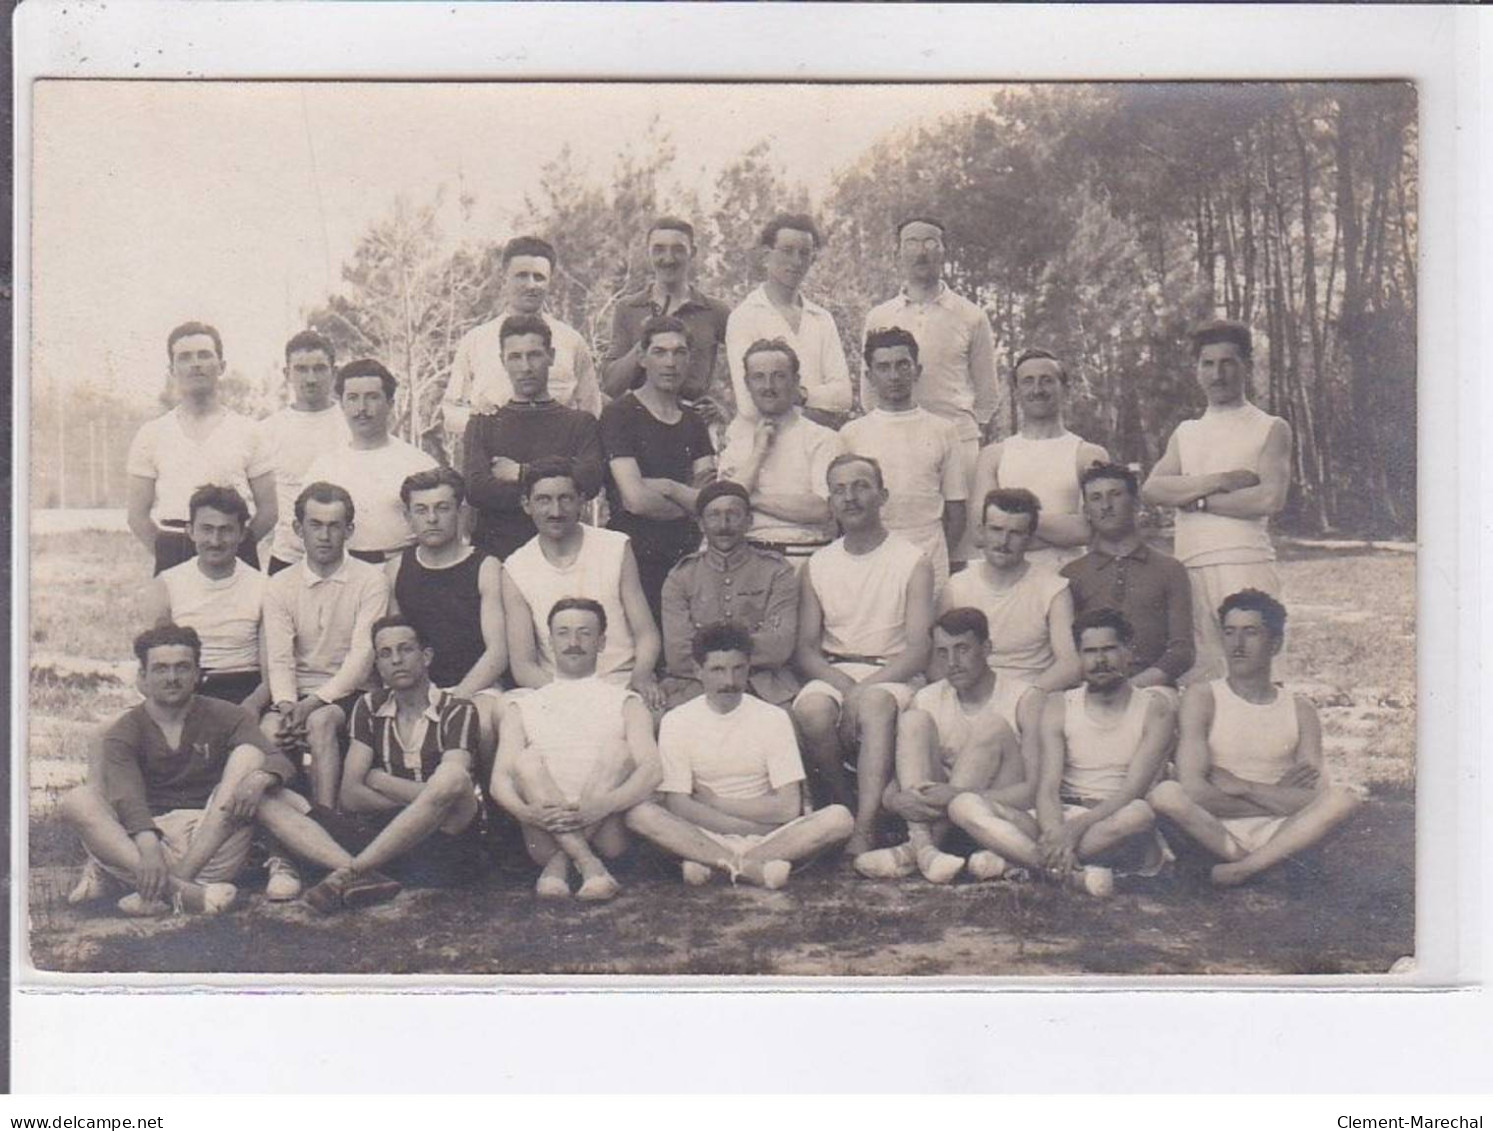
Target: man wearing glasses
pixel 778 310
pixel 955 347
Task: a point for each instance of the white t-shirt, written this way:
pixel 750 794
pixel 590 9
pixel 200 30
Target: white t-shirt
pixel 228 456
pixel 747 752
pixel 1021 643
pixel 921 463
pixel 596 573
pixel 864 596
pixel 572 724
pixel 373 476
pixel 291 439
pixel 225 612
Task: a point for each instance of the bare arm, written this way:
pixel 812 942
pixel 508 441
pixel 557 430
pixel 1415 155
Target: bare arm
pixel 912 661
pixel 808 657
pixel 357 795
pixel 1054 750
pixel 987 474
pixel 1071 529
pixel 1019 788
pixel 1014 784
pixel 647 771
pixel 494 659
pixel 1065 670
pixel 646 642
pixel 774 808
pixel 1268 497
pixel 1304 781
pixel 141 497
pixel 266 505
pixel 1195 761
pixel 157 602
pixel 707 817
pixel 954 520
pixel 512 740
pixel 523 649
pixel 1143 770
pixel 1166 486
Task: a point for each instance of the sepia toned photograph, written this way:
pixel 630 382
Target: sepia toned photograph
pixel 819 530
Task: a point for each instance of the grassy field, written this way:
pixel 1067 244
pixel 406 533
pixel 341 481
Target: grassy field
pixel 1349 909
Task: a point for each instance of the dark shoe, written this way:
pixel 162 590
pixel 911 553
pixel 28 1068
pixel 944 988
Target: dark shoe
pixel 366 888
pixel 327 896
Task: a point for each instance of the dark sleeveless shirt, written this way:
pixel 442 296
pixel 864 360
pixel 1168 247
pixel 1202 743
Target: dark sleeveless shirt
pixel 445 605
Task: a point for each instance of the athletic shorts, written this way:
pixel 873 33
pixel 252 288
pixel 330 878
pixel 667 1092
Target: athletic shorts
pixel 177 828
pixel 231 687
pixel 1251 833
pixel 901 692
pixel 440 860
pixel 742 843
pixel 1210 585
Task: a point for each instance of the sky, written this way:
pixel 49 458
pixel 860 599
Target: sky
pixel 237 203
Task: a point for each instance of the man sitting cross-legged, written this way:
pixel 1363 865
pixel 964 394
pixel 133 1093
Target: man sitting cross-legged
pixel 574 756
pixel 959 736
pixel 733 777
pixel 408 799
pixel 1249 759
pixel 169 808
pixel 1103 745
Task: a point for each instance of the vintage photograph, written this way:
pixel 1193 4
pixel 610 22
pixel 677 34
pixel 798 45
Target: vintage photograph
pixel 823 530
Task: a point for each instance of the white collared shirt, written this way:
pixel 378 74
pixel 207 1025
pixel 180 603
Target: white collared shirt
pixel 318 629
pixel 823 373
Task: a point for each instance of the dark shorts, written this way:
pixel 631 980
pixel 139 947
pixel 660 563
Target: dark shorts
pixel 174 547
pixel 231 687
pixel 441 860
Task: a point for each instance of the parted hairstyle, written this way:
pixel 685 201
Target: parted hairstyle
pixel 958 622
pixel 1118 471
pixel 529 245
pixel 168 635
pixel 852 457
pixel 517 325
pixel 793 222
pixel 771 345
pixel 310 341
pixel 397 620
pixel 430 479
pixel 1222 330
pixel 547 467
pixel 187 330
pixel 1037 353
pixel 890 338
pixel 723 636
pixel 660 324
pixel 323 492
pixel 1013 500
pixel 585 604
pixel 216 497
pixel 1272 612
pixel 366 367
pixel 1103 617
pixel 672 224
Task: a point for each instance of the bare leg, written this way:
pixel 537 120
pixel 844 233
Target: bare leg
pixel 1302 829
pixel 1171 801
pixel 878 728
pixel 216 825
pixel 489 719
pixel 1009 833
pixel 917 762
pixel 537 787
pixel 89 813
pixel 677 836
pixel 1135 819
pixel 300 835
pixel 800 839
pixel 446 803
pixel 818 719
pixel 323 729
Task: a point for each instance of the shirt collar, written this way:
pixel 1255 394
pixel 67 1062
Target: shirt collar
pixel 943 290
pixel 310 579
pixel 389 707
pixel 1141 553
pixel 643 300
pixel 759 298
pixel 723 562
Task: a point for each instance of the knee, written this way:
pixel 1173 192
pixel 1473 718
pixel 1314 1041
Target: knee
pixel 1167 798
pixel 838 821
pixel 817 716
pixel 1136 816
pixel 967 807
pixel 78 802
pixel 1341 803
pixel 449 784
pixel 242 760
pixel 322 725
pixel 878 708
pixel 642 818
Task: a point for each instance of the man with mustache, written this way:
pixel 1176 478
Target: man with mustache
pixel 373 465
pixel 778 309
pixel 479 382
pixel 919 453
pixel 1226 473
pixel 574 757
pixel 196 443
pixel 865 613
pixel 1043 457
pixel 956 348
pixel 311 424
pixel 1103 746
pixel 732 787
pixel 1250 786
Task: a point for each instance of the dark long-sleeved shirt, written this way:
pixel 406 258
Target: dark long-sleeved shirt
pixel 523 432
pixel 145 777
pixel 1152 590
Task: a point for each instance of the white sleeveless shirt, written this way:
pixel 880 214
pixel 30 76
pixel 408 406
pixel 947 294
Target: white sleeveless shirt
pixel 1223 440
pixel 572 724
pixel 596 573
pixel 1254 741
pixel 864 596
pixel 225 613
pixel 1099 754
pixel 1021 646
pixel 1048 468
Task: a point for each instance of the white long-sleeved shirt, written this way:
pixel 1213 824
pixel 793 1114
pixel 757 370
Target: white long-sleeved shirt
pixel 318 630
pixel 823 374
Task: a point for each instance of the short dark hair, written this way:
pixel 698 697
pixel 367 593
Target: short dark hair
pixel 853 457
pixel 958 622
pixel 1272 612
pixel 322 492
pixel 1102 617
pixel 1223 330
pixel 517 325
pixel 547 467
pixel 366 367
pixel 890 338
pixel 396 620
pixel 1097 470
pixel 430 479
pixel 215 496
pixel 660 324
pixel 1012 500
pixel 929 220
pixel 793 222
pixel 529 245
pixel 1037 353
pixel 723 636
pixel 771 345
pixel 672 224
pixel 585 604
pixel 309 341
pixel 187 330
pixel 168 635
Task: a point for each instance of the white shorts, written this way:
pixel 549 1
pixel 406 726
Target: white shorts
pixel 742 843
pixel 901 692
pixel 177 828
pixel 1210 585
pixel 1251 833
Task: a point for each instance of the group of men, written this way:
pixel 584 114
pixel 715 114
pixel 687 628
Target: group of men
pixel 793 632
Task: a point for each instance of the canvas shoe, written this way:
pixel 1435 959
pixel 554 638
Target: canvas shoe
pixel 695 874
pixel 137 906
pixel 1096 881
pixel 598 888
pixel 986 865
pixel 93 883
pixel 775 874
pixel 887 863
pixel 553 882
pixel 284 883
pixel 939 867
